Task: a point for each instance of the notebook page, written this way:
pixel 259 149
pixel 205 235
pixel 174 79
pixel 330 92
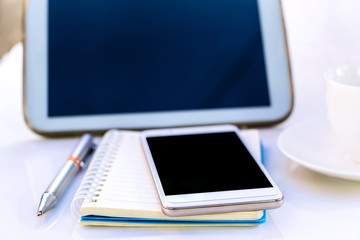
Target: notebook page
pixel 129 184
pixel 128 189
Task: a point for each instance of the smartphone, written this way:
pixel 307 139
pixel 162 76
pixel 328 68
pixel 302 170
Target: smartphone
pixel 207 170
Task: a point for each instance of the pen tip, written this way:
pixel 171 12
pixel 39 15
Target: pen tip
pixel 47 201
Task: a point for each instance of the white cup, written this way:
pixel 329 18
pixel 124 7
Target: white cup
pixel 342 91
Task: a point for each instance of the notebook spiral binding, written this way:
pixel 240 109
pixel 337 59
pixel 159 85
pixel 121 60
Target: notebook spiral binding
pixel 91 186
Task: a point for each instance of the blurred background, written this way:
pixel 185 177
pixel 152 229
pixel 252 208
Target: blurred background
pixel 10 24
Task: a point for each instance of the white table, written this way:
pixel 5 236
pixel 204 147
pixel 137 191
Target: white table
pixel 322 34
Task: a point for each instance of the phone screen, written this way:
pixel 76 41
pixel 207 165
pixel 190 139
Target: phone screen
pixel 200 163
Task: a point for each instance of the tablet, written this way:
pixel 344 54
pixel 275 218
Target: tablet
pixel 136 64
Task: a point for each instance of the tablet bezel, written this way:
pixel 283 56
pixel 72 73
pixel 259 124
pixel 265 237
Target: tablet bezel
pixel 35 84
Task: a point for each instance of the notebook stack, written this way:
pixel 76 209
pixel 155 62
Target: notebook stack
pixel 118 189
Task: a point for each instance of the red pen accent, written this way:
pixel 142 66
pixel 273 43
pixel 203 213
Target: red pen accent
pixel 75 160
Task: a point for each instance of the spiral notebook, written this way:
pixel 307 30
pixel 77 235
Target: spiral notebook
pixel 118 189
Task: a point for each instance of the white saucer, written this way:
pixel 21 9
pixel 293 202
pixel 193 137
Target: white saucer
pixel 312 144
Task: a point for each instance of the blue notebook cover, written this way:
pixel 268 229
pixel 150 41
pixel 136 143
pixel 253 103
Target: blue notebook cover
pixel 147 221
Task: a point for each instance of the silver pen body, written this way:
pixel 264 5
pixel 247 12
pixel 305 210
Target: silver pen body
pixel 63 178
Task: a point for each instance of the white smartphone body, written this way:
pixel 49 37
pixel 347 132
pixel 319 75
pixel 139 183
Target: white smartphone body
pixel 207 170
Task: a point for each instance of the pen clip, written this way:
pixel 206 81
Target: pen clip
pixel 89 155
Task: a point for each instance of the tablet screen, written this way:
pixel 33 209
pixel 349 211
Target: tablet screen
pixel 130 56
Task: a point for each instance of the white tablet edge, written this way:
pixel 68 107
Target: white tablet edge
pixel 35 84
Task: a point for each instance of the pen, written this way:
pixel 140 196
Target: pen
pixel 72 165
